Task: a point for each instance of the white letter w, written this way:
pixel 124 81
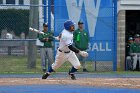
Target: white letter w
pixel 92 10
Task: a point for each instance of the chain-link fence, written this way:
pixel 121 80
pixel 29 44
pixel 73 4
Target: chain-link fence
pixel 14 55
pixel 18 50
pixel 99 18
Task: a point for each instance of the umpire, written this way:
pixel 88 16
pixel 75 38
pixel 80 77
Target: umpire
pixel 46 50
pixel 81 40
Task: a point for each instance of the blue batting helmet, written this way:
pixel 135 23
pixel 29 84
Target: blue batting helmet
pixel 68 24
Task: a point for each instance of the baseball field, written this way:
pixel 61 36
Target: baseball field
pixel 108 82
pixel 15 77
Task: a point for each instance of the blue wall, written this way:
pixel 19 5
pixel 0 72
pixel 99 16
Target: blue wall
pixel 98 17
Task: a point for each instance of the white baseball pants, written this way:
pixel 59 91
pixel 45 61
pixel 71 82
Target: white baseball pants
pixel 63 57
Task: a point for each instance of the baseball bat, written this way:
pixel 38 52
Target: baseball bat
pixel 35 30
pixel 40 32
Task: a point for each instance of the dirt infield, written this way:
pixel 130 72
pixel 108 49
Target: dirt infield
pixel 99 82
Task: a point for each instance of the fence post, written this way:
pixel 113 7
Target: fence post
pixel 49 15
pixel 33 22
pixel 45 11
pixel 115 36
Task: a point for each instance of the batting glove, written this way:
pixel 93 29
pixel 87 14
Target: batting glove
pixel 83 53
pixel 56 38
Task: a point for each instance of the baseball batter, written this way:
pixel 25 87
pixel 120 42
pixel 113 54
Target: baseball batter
pixel 66 51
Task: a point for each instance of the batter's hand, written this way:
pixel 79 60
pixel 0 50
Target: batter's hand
pixel 56 38
pixel 83 53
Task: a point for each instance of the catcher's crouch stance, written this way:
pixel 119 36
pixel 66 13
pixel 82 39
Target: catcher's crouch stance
pixel 66 51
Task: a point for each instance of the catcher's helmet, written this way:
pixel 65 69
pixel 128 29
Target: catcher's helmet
pixel 68 24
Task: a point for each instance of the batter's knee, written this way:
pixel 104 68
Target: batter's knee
pixel 77 66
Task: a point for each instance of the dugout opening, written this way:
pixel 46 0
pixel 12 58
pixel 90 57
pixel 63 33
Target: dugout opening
pixel 132 22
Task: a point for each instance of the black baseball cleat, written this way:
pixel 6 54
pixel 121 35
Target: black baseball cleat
pixel 45 76
pixel 72 76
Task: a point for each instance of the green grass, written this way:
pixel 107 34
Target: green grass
pixel 118 72
pixel 18 64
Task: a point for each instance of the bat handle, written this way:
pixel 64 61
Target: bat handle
pixel 56 38
pixel 30 28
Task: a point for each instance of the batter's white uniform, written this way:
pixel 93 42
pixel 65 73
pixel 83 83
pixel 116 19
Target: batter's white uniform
pixel 66 54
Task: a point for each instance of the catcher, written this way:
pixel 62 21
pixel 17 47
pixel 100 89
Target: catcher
pixel 66 52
